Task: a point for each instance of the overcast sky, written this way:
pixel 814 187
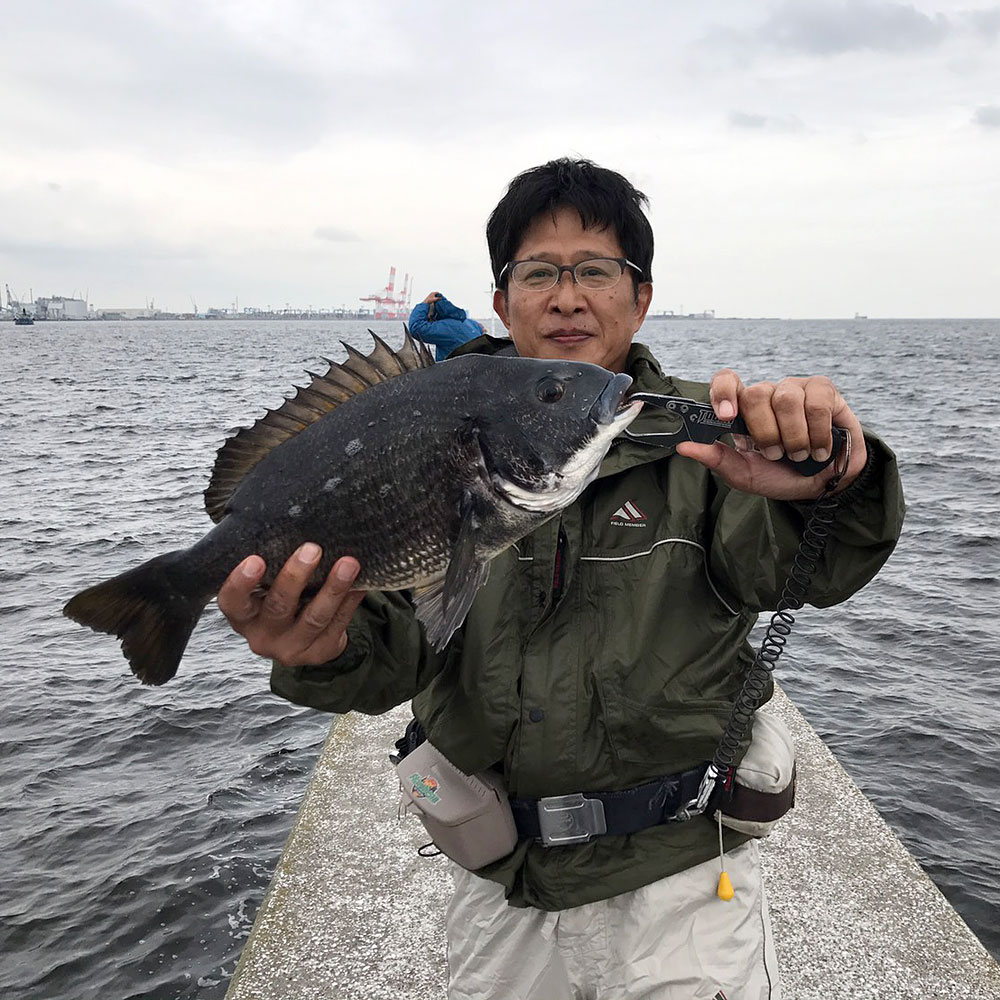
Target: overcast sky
pixel 803 158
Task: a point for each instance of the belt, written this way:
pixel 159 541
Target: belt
pixel 573 819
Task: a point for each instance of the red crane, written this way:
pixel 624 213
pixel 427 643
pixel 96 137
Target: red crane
pixel 404 299
pixel 385 301
pixel 387 306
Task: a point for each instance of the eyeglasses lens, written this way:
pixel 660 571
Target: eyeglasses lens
pixel 540 275
pixel 603 272
pixel 534 275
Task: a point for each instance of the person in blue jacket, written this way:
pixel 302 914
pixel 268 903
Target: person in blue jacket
pixel 438 321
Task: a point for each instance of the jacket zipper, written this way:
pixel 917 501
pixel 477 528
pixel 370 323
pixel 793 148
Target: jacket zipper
pixel 559 569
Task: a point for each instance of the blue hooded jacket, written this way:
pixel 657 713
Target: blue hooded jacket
pixel 449 328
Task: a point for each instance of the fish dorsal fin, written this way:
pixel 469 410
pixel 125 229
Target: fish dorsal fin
pixel 248 445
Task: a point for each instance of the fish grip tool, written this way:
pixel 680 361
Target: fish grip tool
pixel 699 423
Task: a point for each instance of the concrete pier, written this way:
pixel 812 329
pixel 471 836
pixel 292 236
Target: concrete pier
pixel 353 912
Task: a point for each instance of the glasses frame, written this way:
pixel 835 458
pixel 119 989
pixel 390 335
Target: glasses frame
pixel 622 262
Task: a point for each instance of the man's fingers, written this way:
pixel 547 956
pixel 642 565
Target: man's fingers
pixel 273 625
pixel 788 405
pixel 281 604
pixel 236 598
pixel 724 392
pixel 345 612
pixel 330 643
pixel 320 632
pixel 790 418
pixel 727 462
pixel 822 404
pixel 324 609
pixel 757 410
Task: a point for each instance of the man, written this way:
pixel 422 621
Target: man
pixel 606 649
pixel 440 322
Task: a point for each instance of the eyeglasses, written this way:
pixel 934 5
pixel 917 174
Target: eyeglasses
pixel 541 275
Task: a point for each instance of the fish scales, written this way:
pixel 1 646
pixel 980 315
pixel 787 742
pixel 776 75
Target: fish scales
pixel 373 511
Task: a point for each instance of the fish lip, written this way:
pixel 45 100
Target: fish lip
pixel 608 405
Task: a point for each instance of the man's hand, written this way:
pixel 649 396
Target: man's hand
pixel 433 297
pixel 788 418
pixel 272 623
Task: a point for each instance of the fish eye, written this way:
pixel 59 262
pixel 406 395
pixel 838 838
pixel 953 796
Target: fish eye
pixel 550 390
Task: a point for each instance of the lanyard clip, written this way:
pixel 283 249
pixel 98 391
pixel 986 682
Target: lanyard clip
pixel 697 805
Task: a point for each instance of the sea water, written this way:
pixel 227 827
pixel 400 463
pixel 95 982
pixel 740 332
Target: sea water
pixel 139 826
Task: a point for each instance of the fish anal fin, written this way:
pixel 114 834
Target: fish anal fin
pixel 248 445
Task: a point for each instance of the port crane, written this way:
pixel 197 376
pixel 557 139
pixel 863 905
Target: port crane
pixel 387 305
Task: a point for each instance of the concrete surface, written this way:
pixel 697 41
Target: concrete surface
pixel 354 912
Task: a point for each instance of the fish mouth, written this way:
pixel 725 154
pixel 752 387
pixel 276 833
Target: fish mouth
pixel 611 403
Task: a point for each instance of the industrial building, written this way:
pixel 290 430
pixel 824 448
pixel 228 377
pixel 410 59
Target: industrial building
pixel 60 307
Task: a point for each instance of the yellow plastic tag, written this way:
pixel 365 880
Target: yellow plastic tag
pixel 725 887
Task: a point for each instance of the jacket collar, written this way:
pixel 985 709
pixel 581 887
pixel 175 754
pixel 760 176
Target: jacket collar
pixel 640 363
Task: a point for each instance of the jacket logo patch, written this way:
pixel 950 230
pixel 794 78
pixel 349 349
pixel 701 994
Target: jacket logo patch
pixel 628 515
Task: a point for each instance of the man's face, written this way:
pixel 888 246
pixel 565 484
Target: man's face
pixel 569 321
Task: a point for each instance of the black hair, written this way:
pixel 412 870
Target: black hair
pixel 603 198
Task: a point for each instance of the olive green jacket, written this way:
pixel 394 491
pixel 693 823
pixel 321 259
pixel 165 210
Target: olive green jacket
pixel 632 672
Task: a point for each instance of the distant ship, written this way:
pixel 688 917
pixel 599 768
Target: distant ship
pixel 21 315
pixel 860 316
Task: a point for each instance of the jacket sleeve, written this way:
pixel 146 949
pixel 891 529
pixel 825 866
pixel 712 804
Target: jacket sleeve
pixel 418 321
pixel 386 662
pixel 446 332
pixel 754 541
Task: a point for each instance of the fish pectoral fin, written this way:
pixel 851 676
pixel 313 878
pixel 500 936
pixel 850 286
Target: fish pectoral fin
pixel 442 616
pixel 443 605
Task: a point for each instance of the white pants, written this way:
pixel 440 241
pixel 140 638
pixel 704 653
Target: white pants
pixel 671 940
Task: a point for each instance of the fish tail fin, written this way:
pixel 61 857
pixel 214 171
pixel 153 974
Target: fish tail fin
pixel 151 608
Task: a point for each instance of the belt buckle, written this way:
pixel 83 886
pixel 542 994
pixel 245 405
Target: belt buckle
pixel 570 819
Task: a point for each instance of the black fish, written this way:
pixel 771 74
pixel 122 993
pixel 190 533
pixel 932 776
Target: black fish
pixel 422 472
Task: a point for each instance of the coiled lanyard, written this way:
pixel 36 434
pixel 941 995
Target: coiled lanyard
pixel 699 423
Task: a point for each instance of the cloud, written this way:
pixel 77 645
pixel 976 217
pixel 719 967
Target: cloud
pixel 769 123
pixel 118 252
pixel 988 115
pixel 832 27
pixel 740 120
pixel 984 22
pixel 336 235
pixel 170 86
pixel 828 28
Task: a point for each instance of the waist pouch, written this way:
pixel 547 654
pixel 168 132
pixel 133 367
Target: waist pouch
pixel 472 821
pixel 764 785
pixel 468 816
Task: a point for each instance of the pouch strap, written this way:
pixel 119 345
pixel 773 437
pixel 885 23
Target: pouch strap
pixel 753 806
pixel 626 811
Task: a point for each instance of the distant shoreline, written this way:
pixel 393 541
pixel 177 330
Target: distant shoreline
pixel 110 317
